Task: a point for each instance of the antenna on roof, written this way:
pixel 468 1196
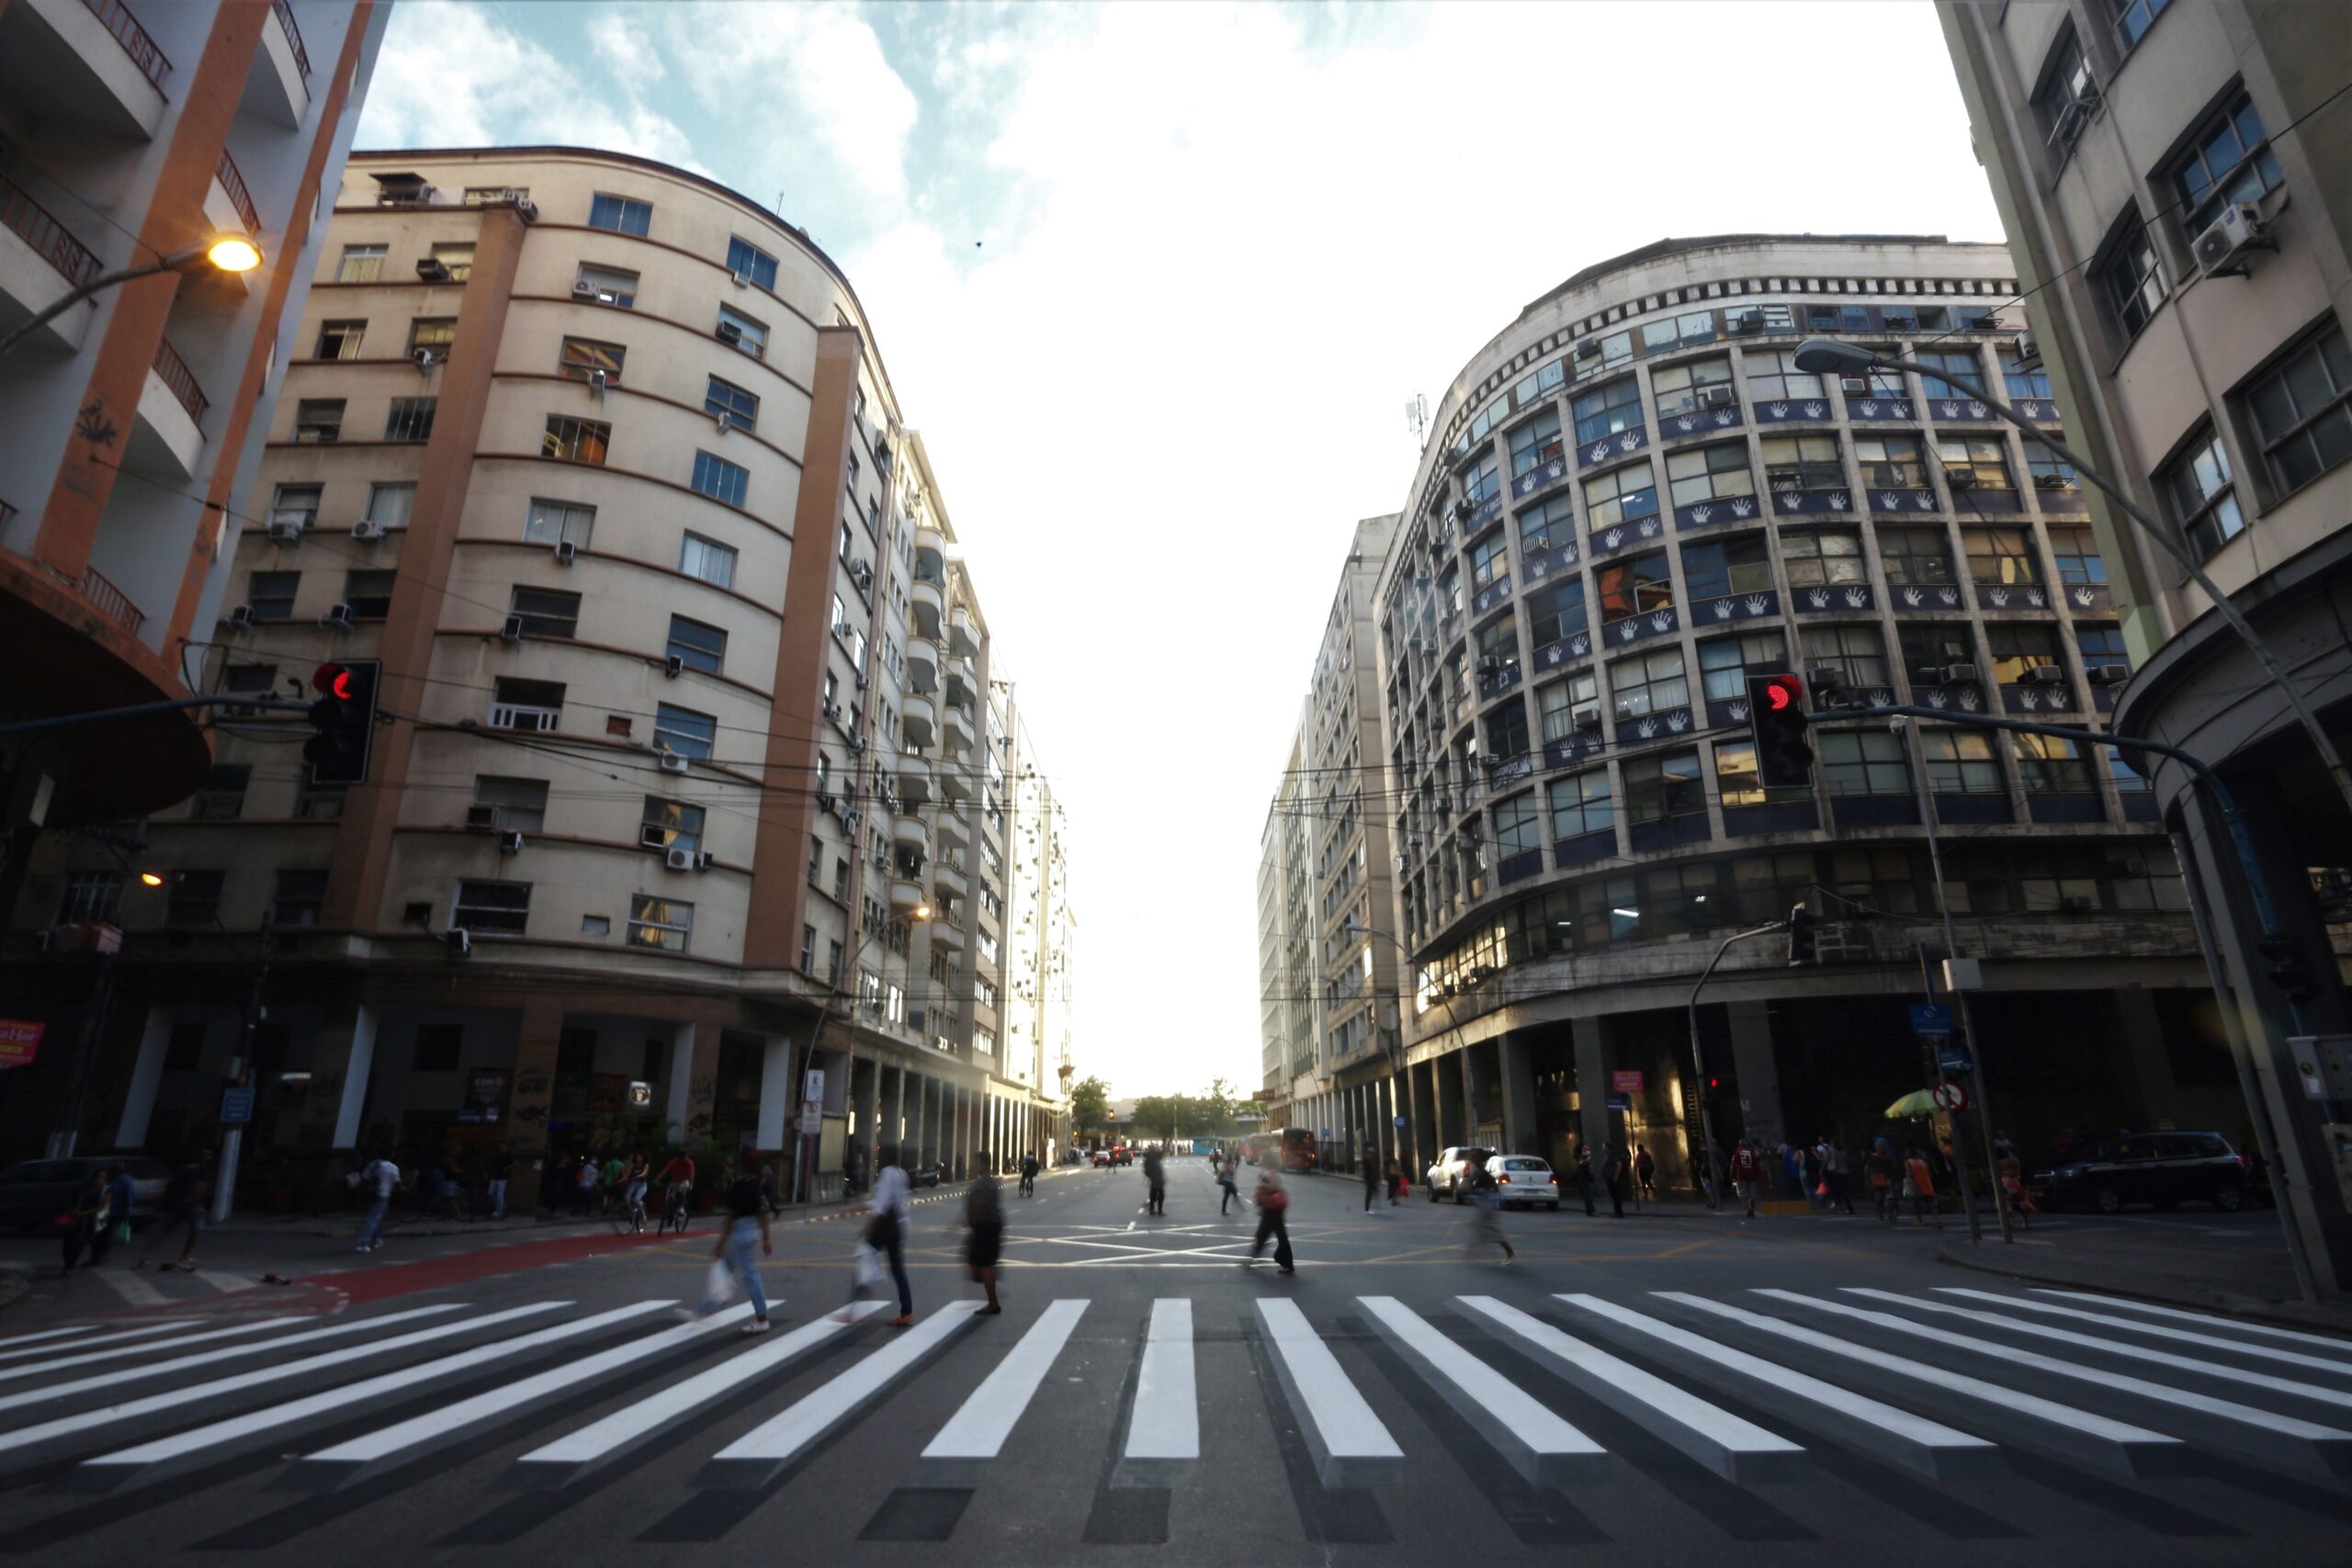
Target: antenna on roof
pixel 1417 416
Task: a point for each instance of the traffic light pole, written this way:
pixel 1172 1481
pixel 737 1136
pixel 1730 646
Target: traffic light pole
pixel 140 710
pixel 1698 1052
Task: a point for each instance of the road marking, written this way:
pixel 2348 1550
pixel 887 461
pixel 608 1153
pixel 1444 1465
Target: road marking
pixel 371 1454
pixel 2183 1336
pixel 51 1334
pixel 71 1425
pixel 1164 1427
pixel 2339 1346
pixel 1538 1444
pixel 223 1284
pixel 978 1430
pixel 109 1342
pixel 568 1458
pixel 207 1358
pixel 204 1444
pixel 1734 1448
pixel 1351 1446
pixel 2117 1444
pixel 1860 1421
pixel 761 1454
pixel 108 1351
pixel 2299 1442
pixel 132 1286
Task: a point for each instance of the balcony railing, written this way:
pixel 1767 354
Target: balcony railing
pixel 294 37
pixel 133 39
pixel 111 602
pixel 45 234
pixel 234 183
pixel 180 379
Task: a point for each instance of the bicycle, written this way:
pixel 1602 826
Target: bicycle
pixel 673 1209
pixel 628 1217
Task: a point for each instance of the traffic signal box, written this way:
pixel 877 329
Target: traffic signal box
pixel 343 721
pixel 1783 751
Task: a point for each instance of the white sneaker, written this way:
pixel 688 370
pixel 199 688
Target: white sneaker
pixel 757 1325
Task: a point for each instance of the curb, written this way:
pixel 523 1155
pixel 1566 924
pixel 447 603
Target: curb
pixel 2252 1309
pixel 13 1287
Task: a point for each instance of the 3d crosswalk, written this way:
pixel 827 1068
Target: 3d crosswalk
pixel 1744 1385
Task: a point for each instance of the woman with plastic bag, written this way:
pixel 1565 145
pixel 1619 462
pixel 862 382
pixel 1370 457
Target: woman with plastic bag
pixel 732 1267
pixel 888 1218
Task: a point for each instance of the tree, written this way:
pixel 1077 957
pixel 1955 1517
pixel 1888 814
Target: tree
pixel 1217 1107
pixel 1089 1105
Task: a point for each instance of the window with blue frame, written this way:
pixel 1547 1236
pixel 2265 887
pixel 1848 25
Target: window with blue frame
pixel 746 260
pixel 1555 614
pixel 2230 161
pixel 620 214
pixel 1958 362
pixel 1625 496
pixel 1484 485
pixel 720 479
pixel 1536 443
pixel 2133 18
pixel 1543 384
pixel 2020 382
pixel 742 408
pixel 1552 522
pixel 1605 410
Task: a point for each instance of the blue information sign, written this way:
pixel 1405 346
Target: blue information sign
pixel 236 1105
pixel 1930 1019
pixel 1620 1103
pixel 1955 1059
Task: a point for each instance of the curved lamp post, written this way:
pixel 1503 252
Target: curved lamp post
pixel 223 253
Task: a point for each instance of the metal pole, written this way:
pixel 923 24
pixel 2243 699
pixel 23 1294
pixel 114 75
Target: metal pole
pixel 232 1139
pixel 62 1142
pixel 1699 1056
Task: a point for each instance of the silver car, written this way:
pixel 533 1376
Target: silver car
pixel 1524 1179
pixel 1449 1177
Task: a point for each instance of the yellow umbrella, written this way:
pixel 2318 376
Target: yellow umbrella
pixel 1916 1103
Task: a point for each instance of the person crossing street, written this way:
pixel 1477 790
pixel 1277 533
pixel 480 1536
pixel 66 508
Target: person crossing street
pixel 1273 1205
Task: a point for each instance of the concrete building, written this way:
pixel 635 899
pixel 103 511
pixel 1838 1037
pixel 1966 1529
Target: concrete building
pixel 1632 499
pixel 130 423
pixel 678 763
pixel 1040 933
pixel 1290 1006
pixel 2176 181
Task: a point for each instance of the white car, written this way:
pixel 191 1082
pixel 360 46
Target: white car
pixel 1523 1179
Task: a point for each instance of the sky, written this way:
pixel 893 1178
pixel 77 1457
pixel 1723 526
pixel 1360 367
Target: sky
pixel 1155 282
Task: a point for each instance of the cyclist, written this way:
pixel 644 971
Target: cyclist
pixel 1029 1173
pixel 677 1186
pixel 634 1179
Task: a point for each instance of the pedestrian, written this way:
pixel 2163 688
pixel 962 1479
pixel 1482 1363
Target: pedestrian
pixel 1835 1171
pixel 1746 1176
pixel 1396 1182
pixel 502 1168
pixel 120 1195
pixel 1228 1192
pixel 1487 1213
pixel 1274 1206
pixel 609 1177
pixel 82 1223
pixel 1617 1175
pixel 1809 1165
pixel 183 1199
pixel 1371 1179
pixel 1155 1176
pixel 1793 1170
pixel 888 1217
pixel 1878 1169
pixel 1919 1186
pixel 1645 1174
pixel 1585 1180
pixel 2012 1178
pixel 747 1220
pixel 1029 1163
pixel 378 1180
pixel 984 1235
pixel 588 1179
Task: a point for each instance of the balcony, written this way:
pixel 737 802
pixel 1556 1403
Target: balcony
pixel 914 779
pixel 948 931
pixel 84 64
pixel 41 260
pixel 170 427
pixel 111 602
pixel 923 665
pixel 955 779
pixel 959 628
pixel 905 895
pixel 277 88
pixel 948 823
pixel 228 205
pixel 960 725
pixel 931 553
pixel 927 594
pixel 948 872
pixel 910 833
pixel 920 720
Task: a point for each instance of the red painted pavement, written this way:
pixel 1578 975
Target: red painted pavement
pixel 356 1287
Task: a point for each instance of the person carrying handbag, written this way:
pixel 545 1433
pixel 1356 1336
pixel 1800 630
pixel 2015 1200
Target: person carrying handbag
pixel 889 1216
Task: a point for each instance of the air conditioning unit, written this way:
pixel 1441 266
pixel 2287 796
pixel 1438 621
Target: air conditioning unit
pixel 1826 677
pixel 1959 479
pixel 857 743
pixel 284 531
pixel 675 666
pixel 242 615
pixel 2237 231
pixel 2078 903
pixel 481 819
pixel 336 616
pixel 566 552
pixel 2109 674
pixel 1587 720
pixel 833 712
pixel 672 762
pixel 726 422
pixel 1749 321
pixel 510 842
pixel 583 289
pixel 2042 675
pixel 366 528
pixel 1462 509
pixel 730 333
pixel 2029 351
pixel 1854 386
pixel 824 801
pixel 1626 711
pixel 1587 350
pixel 424 358
pixel 433 270
pixel 1719 396
pixel 1958 675
pixel 678 859
pixel 513 631
pixel 528 208
pixel 742 279
pixel 462 942
pixel 598 380
pixel 1489 663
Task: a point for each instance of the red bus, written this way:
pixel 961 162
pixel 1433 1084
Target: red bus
pixel 1298 1149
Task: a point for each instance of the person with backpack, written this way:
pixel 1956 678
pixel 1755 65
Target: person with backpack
pixel 1229 1193
pixel 1919 1186
pixel 378 1180
pixel 1029 1173
pixel 1746 1176
pixel 1155 1176
pixel 183 1199
pixel 984 1237
pixel 1274 1206
pixel 1644 1174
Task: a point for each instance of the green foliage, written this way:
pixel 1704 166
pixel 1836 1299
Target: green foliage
pixel 1089 1105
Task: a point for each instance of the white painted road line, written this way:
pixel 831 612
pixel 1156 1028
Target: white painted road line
pixel 56 1334
pixel 1538 1444
pixel 132 1286
pixel 107 1347
pixel 375 1452
pixel 1351 1446
pixel 2156 1330
pixel 2325 1342
pixel 2297 1442
pixel 1734 1449
pixel 74 1425
pixel 202 1445
pixel 978 1431
pixel 209 1358
pixel 1860 1421
pixel 2114 1445
pixel 568 1458
pixel 760 1455
pixel 1164 1427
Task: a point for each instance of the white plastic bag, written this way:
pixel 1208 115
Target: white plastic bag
pixel 869 1265
pixel 719 1287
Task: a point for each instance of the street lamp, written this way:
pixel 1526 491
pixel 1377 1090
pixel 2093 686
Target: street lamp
pixel 1824 355
pixel 824 1009
pixel 223 253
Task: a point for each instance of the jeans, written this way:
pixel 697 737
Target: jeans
pixel 742 1239
pixel 898 1251
pixel 1230 1196
pixel 498 1199
pixel 1271 1222
pixel 374 1222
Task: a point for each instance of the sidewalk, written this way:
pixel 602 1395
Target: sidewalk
pixel 2261 1283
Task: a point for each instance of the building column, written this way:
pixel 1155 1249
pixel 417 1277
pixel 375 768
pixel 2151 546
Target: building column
pixel 777 1092
pixel 146 1073
pixel 2138 1064
pixel 1518 1085
pixel 538 1035
pixel 676 1089
pixel 894 1112
pixel 1420 1092
pixel 341 1056
pixel 1592 1055
pixel 1754 1073
pixel 865 1105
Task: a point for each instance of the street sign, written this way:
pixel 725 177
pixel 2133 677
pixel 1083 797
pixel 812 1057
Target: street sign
pixel 1327 1132
pixel 1620 1103
pixel 19 1038
pixel 1950 1096
pixel 1954 1058
pixel 1930 1020
pixel 236 1105
pixel 1627 1080
pixel 812 1118
pixel 812 1084
pixel 1400 1120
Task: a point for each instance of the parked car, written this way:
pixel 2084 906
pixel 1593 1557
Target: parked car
pixel 34 1193
pixel 1101 1159
pixel 2160 1169
pixel 925 1175
pixel 1122 1155
pixel 1449 1177
pixel 1523 1179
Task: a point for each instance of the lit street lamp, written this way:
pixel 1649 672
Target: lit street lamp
pixel 223 253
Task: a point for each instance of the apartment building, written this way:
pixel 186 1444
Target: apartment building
pixel 1040 933
pixel 2176 181
pixel 665 834
pixel 1290 1008
pixel 130 132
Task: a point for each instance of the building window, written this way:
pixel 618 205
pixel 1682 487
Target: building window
pixel 1803 462
pixel 1719 567
pixel 1825 557
pixel 701 647
pixel 439 1048
pixel 2000 556
pixel 746 260
pixel 620 214
pixel 458 256
pixel 1863 762
pixel 1517 829
pixel 1543 383
pixel 2128 780
pixel 741 409
pixel 1580 805
pixel 2300 413
pixel 2021 380
pixel 1553 522
pixel 670 825
pixel 1774 376
pixel 2051 764
pixel 1856 654
pixel 683 730
pixel 2128 274
pixel 514 805
pixel 369 593
pixel 2074 552
pixel 575 440
pixel 1556 613
pixel 1711 473
pixel 195 898
pixel 2133 18
pixel 2019 648
pixel 2049 471
pixel 606 285
pixel 535 705
pixel 1483 484
pixel 2204 502
pixel 660 922
pixel 1605 410
pixel 300 897
pixel 497 908
pixel 708 559
pixel 360 263
pixel 298 504
pixel 1662 787
pixel 2102 645
pixel 409 419
pixel 720 479
pixel 808 950
pixel 1536 443
pixel 1960 761
pixel 1959 362
pixel 546 612
pixel 1650 682
pixel 1975 463
pixel 1682 388
pixel 1914 557
pixel 92 897
pixel 221 797
pixel 270 595
pixel 746 332
pixel 1682 332
pixel 1566 706
pixel 495 195
pixel 1595 355
pixel 1737 783
pixel 2067 97
pixel 1490 560
pixel 1724 663
pixel 1636 587
pixel 1891 462
pixel 559 523
pixel 340 339
pixel 2231 162
pixel 318 421
pixel 1616 499
pixel 432 333
pixel 392 504
pixel 581 357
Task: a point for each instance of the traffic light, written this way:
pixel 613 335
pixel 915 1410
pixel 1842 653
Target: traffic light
pixel 2283 961
pixel 343 721
pixel 1803 938
pixel 1783 752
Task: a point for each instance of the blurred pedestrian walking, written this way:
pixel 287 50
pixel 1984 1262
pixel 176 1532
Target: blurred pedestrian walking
pixel 984 1234
pixel 888 1219
pixel 1371 1179
pixel 1486 1213
pixel 1274 1206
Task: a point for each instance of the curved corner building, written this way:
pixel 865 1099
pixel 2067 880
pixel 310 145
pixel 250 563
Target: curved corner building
pixel 1631 498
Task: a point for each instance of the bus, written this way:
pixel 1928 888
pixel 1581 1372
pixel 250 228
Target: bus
pixel 1298 1148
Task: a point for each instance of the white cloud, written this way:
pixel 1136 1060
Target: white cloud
pixel 624 49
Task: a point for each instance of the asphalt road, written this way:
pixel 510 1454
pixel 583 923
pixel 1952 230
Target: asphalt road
pixel 1401 1399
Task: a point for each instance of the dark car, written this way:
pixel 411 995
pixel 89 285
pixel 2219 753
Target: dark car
pixel 34 1193
pixel 2159 1168
pixel 925 1176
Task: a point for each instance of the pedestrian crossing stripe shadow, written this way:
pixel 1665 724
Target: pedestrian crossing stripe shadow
pixel 1336 1515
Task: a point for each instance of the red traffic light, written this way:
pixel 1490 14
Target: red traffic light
pixel 332 679
pixel 1783 692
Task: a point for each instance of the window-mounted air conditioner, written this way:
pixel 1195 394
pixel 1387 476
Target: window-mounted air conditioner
pixel 481 819
pixel 2076 903
pixel 336 616
pixel 702 859
pixel 511 631
pixel 433 270
pixel 566 552
pixel 2041 675
pixel 1587 720
pixel 1959 479
pixel 1749 321
pixel 2029 351
pixel 424 358
pixel 1719 396
pixel 1958 675
pixel 282 531
pixel 1626 711
pixel 2052 481
pixel 675 666
pixel 1854 386
pixel 741 279
pixel 2109 674
pixel 583 289
pixel 462 942
pixel 599 379
pixel 242 615
pixel 366 528
pixel 510 842
pixel 672 762
pixel 1589 350
pixel 678 859
pixel 730 333
pixel 1825 677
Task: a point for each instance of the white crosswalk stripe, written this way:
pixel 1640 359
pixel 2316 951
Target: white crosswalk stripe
pixel 15 1340
pixel 1539 1445
pixel 2158 1331
pixel 1350 1445
pixel 2342 1348
pixel 105 1345
pixel 978 1430
pixel 1164 1427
